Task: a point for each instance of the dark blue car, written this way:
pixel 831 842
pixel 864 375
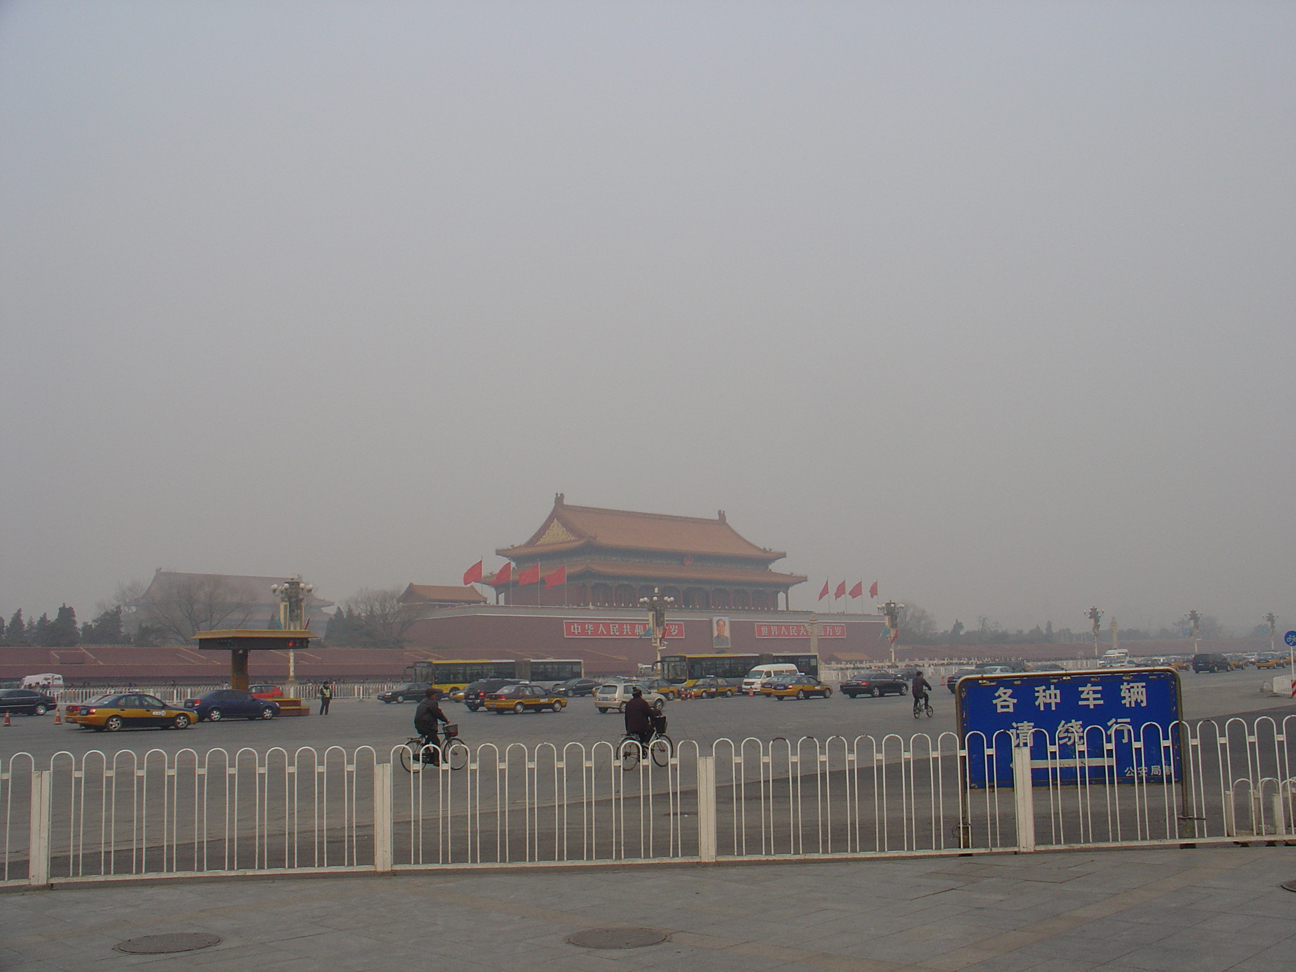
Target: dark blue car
pixel 231 704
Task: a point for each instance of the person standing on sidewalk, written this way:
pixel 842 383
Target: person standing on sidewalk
pixel 325 697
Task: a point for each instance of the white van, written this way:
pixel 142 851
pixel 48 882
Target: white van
pixel 48 680
pixel 758 675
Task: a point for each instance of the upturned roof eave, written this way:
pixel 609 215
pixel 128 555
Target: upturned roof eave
pixel 592 543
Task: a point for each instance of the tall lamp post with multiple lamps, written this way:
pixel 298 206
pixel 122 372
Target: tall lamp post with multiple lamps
pixel 891 611
pixel 292 595
pixel 1095 619
pixel 656 605
pixel 1194 618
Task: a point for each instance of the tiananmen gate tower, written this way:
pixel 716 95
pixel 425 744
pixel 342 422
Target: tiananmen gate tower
pixel 572 591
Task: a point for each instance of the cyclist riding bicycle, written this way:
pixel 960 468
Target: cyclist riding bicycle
pixel 640 718
pixel 918 688
pixel 426 717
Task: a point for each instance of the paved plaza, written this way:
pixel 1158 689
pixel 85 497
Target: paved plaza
pixel 1172 910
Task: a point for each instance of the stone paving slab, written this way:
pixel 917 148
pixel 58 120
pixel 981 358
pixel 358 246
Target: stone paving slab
pixel 1204 910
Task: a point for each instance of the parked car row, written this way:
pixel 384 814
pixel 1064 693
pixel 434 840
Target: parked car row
pixel 115 711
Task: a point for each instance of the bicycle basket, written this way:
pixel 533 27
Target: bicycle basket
pixel 659 723
pixel 451 731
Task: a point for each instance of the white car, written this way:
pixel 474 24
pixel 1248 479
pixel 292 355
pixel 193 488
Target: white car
pixel 615 695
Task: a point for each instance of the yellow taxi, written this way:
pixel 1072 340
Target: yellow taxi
pixel 522 697
pixel 796 687
pixel 710 687
pixel 128 710
pixel 1267 660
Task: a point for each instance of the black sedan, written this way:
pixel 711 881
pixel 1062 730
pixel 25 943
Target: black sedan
pixel 951 681
pixel 26 701
pixel 231 704
pixel 874 684
pixel 576 687
pixel 409 692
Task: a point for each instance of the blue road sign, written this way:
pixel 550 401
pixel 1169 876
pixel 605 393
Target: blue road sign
pixel 1290 638
pixel 1117 725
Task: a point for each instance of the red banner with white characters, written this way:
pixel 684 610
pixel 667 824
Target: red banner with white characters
pixel 619 629
pixel 798 630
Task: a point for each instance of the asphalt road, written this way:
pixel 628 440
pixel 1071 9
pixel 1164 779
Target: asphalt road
pixel 351 724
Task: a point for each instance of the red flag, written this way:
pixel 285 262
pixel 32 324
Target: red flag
pixel 529 576
pixel 504 575
pixel 559 576
pixel 857 590
pixel 840 592
pixel 873 590
pixel 473 574
pixel 824 592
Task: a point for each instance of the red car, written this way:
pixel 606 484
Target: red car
pixel 266 691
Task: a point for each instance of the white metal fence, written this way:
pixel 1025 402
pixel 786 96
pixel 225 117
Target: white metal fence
pixel 102 817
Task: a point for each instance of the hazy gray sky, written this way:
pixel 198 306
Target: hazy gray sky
pixel 990 302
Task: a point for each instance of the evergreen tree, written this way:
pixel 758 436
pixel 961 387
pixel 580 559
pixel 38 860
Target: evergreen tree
pixel 106 629
pixel 2 629
pixel 62 632
pixel 16 633
pixel 36 633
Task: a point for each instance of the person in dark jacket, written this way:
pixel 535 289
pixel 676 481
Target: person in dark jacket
pixel 426 717
pixel 919 688
pixel 639 716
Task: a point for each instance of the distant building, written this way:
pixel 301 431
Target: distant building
pixel 432 595
pixel 182 602
pixel 614 557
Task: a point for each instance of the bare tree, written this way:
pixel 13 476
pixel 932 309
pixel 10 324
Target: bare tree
pixel 917 626
pixel 181 604
pixel 380 620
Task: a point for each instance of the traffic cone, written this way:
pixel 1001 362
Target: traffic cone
pixel 58 719
pixel 6 719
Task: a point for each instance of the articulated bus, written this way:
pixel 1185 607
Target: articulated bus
pixel 686 669
pixel 453 674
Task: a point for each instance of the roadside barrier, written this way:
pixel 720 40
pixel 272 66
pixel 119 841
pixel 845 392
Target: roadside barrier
pixel 97 817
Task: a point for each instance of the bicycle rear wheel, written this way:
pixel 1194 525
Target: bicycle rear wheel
pixel 630 752
pixel 661 749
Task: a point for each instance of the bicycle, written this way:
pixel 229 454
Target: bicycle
pixel 419 751
pixel 660 747
pixel 923 704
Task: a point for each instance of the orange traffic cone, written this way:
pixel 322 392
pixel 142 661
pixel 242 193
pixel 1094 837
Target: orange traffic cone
pixel 6 718
pixel 58 719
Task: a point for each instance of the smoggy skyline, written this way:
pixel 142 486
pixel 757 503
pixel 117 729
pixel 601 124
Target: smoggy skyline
pixel 990 302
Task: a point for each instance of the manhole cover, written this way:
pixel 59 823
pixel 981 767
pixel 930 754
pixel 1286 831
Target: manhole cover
pixel 174 942
pixel 616 937
pixel 1288 885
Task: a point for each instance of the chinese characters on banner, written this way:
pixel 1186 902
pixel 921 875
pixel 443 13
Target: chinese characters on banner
pixel 1118 725
pixel 799 631
pixel 619 629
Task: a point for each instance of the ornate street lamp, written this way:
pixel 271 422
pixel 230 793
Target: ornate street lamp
pixel 656 605
pixel 891 611
pixel 292 595
pixel 1095 619
pixel 1194 619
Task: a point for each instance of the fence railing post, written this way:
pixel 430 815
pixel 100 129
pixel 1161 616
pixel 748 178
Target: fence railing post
pixel 383 823
pixel 38 844
pixel 706 799
pixel 1024 799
